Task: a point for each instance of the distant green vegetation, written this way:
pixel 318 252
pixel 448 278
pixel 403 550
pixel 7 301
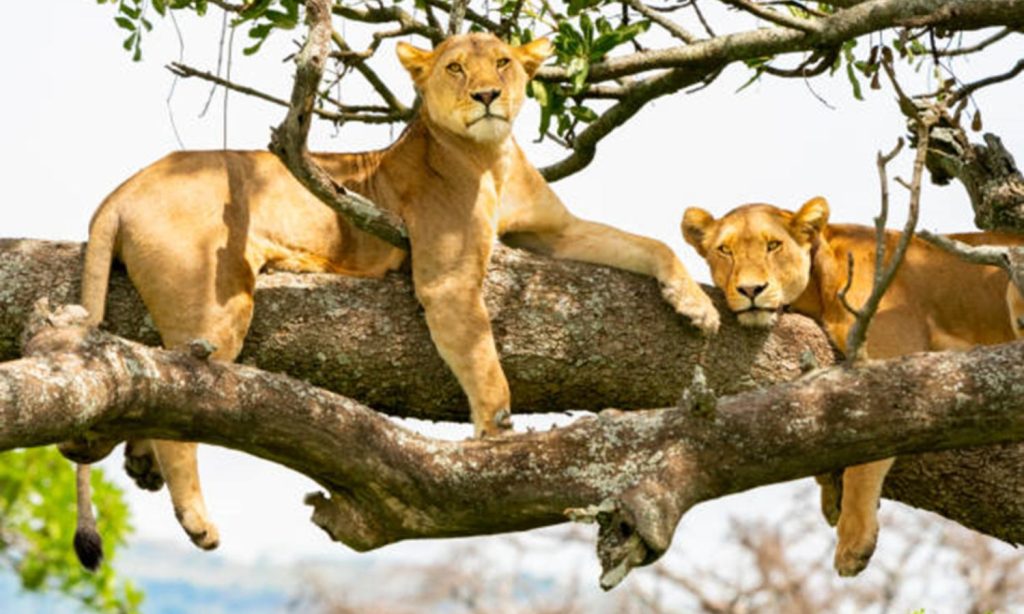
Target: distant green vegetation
pixel 37 524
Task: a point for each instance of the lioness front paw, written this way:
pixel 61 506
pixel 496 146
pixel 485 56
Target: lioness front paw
pixel 689 300
pixel 499 424
pixel 854 549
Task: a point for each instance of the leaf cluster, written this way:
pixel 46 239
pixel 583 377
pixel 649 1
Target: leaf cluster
pixel 37 524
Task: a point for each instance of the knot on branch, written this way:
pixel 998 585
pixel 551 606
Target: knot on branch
pixel 54 330
pixel 339 516
pixel 634 528
pixel 201 349
pixel 699 397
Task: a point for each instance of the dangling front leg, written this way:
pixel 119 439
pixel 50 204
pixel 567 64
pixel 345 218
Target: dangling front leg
pixel 448 276
pixel 858 521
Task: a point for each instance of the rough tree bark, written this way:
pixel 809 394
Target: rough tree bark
pixel 988 172
pixel 635 473
pixel 570 335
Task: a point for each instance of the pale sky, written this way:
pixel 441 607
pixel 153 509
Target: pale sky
pixel 80 117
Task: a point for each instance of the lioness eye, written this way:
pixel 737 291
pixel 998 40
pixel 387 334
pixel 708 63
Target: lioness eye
pixel 454 68
pixel 774 245
pixel 502 62
pixel 723 249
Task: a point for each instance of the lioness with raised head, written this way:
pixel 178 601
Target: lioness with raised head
pixel 195 228
pixel 766 259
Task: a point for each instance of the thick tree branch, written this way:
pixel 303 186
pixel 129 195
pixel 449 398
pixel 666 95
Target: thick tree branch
pixel 635 473
pixel 570 335
pixel 860 19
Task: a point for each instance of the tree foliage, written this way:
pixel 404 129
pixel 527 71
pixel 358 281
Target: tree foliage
pixel 613 57
pixel 37 496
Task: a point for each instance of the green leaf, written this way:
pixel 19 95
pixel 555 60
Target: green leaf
pixel 125 23
pixel 854 81
pixel 584 114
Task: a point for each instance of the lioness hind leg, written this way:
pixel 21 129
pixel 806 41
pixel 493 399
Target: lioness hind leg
pixel 177 460
pixel 141 466
pixel 858 521
pixel 831 485
pixel 1015 302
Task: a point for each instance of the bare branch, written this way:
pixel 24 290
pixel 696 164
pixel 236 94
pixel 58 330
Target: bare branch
pixel 1008 258
pixel 455 16
pixel 370 75
pixel 288 141
pixel 884 275
pixel 637 95
pixel 776 17
pixel 356 113
pixel 969 89
pixel 669 26
pixel 983 44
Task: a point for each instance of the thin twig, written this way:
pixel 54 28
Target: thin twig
pixel 670 26
pixel 455 16
pixel 781 19
pixel 372 77
pixel 998 36
pixel 1007 258
pixel 366 114
pixel 970 88
pixel 884 275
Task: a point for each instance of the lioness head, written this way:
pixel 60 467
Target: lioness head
pixel 759 255
pixel 473 85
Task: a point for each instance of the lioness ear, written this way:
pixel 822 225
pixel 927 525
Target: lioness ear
pixel 532 54
pixel 695 226
pixel 812 217
pixel 414 59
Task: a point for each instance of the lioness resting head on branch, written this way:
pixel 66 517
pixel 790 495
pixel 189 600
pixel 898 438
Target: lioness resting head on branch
pixel 766 259
pixel 195 228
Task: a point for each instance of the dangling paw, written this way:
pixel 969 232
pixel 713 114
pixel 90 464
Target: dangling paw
pixel 202 532
pixel 140 465
pixel 856 545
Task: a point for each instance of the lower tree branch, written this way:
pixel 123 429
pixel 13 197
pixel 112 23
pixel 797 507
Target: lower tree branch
pixel 635 473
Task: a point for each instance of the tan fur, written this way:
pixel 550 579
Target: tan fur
pixel 936 302
pixel 195 228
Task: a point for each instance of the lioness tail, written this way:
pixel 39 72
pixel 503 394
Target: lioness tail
pixel 99 254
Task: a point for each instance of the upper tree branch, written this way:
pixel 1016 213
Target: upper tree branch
pixel 863 18
pixel 288 141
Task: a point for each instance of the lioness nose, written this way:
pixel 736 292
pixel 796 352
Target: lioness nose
pixel 485 96
pixel 751 292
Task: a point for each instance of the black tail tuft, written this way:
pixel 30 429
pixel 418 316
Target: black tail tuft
pixel 89 548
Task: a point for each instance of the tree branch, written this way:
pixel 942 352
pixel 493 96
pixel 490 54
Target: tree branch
pixel 988 172
pixel 860 19
pixel 570 335
pixel 636 474
pixel 364 114
pixel 288 141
